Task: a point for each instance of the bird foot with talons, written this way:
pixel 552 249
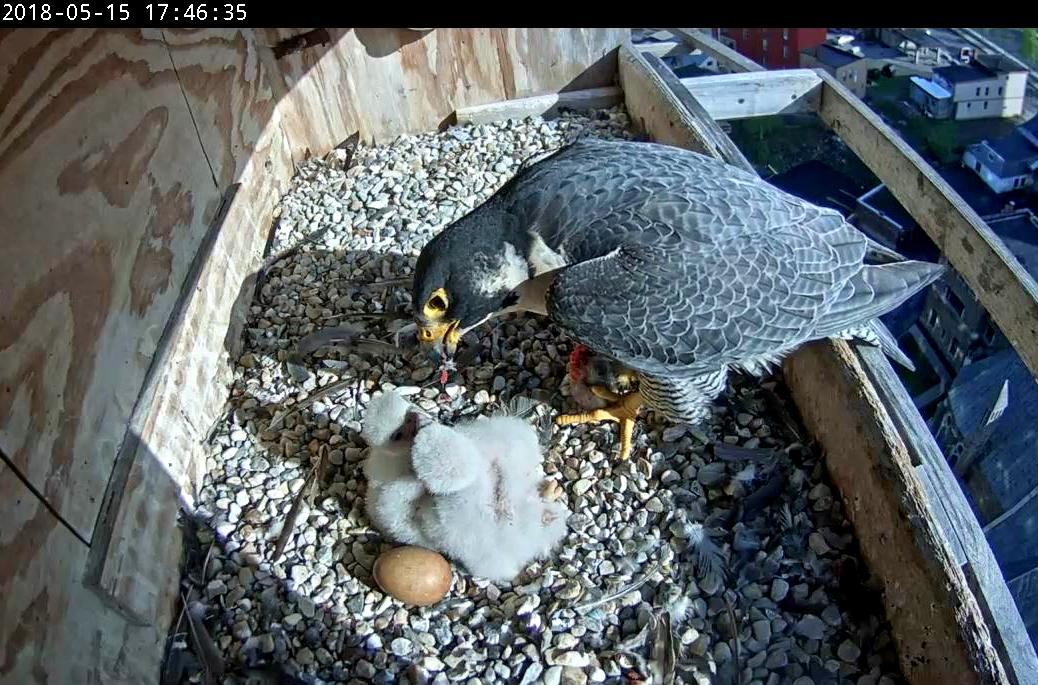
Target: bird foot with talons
pixel 624 411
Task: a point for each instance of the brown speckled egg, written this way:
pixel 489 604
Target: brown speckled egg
pixel 414 575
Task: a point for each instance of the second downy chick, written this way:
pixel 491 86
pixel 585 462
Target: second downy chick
pixel 471 492
pixel 486 511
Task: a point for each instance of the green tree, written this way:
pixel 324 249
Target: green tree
pixel 1029 45
pixel 941 141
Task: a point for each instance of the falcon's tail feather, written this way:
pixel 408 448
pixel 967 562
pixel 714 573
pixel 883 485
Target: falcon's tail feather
pixel 876 290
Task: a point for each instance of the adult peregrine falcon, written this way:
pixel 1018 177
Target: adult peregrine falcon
pixel 677 265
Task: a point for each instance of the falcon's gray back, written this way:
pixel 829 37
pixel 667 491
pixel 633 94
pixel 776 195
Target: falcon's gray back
pixel 681 263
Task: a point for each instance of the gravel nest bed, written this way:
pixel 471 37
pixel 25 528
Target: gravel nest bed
pixel 726 533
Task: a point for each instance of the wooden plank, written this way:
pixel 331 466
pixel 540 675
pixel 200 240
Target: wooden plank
pixel 967 540
pixel 227 88
pixel 756 94
pixel 107 196
pixel 720 145
pixel 727 59
pixel 1001 283
pixel 923 450
pixel 657 109
pixel 663 49
pixel 131 559
pixel 329 100
pixel 52 628
pixel 162 460
pixel 190 391
pixel 939 625
pixel 540 105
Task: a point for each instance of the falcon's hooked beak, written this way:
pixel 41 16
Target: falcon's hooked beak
pixel 437 333
pixel 440 338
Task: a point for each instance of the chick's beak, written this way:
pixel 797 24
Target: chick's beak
pixel 440 339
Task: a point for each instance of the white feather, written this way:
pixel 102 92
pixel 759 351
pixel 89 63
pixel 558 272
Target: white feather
pixel 500 277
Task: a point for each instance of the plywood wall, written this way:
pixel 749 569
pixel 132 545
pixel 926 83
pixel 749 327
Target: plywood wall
pixel 384 82
pixel 140 171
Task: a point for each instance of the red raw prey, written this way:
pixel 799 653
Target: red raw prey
pixel 578 360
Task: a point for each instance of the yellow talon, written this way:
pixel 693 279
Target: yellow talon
pixel 624 411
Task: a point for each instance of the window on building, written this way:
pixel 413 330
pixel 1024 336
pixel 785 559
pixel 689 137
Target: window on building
pixel 764 45
pixel 745 34
pixel 1000 90
pixel 987 91
pixel 985 104
pixel 954 349
pixel 978 91
pixel 955 303
pixel 785 34
pixel 969 105
pixel 931 318
pixel 989 333
pixel 785 52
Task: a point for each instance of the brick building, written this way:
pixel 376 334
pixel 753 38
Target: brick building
pixel 772 48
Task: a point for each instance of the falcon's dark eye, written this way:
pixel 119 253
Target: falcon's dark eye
pixel 398 435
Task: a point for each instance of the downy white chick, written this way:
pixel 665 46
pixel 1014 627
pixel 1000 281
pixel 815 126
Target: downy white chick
pixel 471 492
pixel 394 492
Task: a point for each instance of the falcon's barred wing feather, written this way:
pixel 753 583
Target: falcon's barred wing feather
pixel 663 311
pixel 677 311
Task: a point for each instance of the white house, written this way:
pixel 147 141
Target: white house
pixel 1008 163
pixel 992 86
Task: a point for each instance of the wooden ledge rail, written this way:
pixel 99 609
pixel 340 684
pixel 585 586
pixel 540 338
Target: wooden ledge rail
pixel 757 94
pixel 539 105
pixel 670 47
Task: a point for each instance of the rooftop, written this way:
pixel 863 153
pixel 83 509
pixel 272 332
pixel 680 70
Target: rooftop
pixel 1029 129
pixel 984 67
pixel 976 193
pixel 947 39
pixel 961 73
pixel 999 64
pixel 931 88
pixel 817 182
pixel 830 56
pixel 691 70
pixel 1019 231
pixel 1018 150
pixel 698 60
pixel 882 200
pixel 1008 465
pixel 1014 147
pixel 923 39
pixel 875 50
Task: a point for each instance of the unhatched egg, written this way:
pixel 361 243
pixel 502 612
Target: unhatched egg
pixel 414 575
